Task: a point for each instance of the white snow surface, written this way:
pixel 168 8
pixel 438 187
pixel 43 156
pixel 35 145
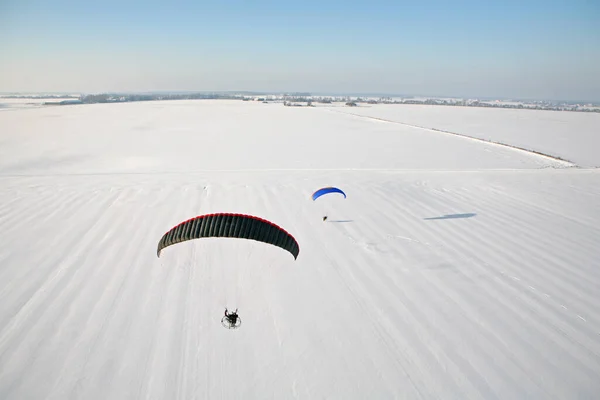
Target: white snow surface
pixel 572 136
pixel 455 268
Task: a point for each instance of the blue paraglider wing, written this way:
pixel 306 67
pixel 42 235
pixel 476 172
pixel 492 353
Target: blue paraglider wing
pixel 326 190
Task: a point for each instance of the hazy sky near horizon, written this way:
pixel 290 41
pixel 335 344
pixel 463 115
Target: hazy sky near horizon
pixel 512 49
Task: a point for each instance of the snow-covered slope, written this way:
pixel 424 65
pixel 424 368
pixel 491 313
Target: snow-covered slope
pixel 465 270
pixel 572 136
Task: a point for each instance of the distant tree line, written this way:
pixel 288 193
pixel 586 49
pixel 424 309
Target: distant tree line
pixel 122 98
pixel 305 99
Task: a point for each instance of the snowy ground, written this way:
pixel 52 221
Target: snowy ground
pixel 572 136
pixel 455 269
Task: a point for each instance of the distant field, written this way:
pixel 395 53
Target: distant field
pixel 573 136
pixel 16 103
pixel 174 136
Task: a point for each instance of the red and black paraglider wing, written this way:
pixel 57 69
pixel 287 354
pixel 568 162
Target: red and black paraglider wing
pixel 230 226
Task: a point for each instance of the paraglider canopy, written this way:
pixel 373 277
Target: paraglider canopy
pixel 230 226
pixel 326 190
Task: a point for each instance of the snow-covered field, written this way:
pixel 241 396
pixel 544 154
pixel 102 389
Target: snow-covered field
pixel 572 136
pixel 11 103
pixel 455 269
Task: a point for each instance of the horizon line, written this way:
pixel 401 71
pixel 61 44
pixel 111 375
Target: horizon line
pixel 288 92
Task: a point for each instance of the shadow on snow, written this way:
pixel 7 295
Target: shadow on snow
pixel 453 216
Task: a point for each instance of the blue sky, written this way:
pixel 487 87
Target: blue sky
pixel 510 49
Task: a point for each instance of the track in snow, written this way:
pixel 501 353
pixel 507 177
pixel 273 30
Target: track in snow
pixel 566 163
